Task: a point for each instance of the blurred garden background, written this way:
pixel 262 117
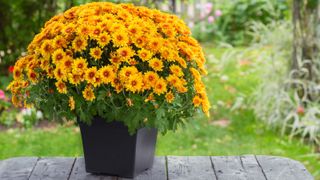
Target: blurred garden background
pixel 263 80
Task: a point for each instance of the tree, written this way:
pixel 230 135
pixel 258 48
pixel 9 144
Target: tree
pixel 305 58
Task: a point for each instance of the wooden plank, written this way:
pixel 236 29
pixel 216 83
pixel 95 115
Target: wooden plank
pixel 228 167
pixel 252 168
pixel 283 168
pixel 79 172
pixel 157 172
pixel 190 168
pixel 52 168
pixel 17 168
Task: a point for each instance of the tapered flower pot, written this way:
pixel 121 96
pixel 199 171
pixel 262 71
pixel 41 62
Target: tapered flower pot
pixel 110 149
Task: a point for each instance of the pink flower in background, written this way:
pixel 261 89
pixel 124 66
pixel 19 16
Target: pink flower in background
pixel 208 7
pixel 2 95
pixel 211 19
pixel 218 13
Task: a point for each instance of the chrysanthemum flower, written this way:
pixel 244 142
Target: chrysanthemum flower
pixel 120 38
pixel 169 97
pixel 60 74
pixel 144 54
pixel 88 93
pixel 197 101
pixel 126 72
pixel 61 87
pixel 156 64
pixel 59 42
pixel 134 83
pixel 160 87
pixel 79 66
pixel 32 75
pixel 125 53
pixel 79 44
pixel 103 39
pixel 96 53
pixel 90 75
pixel 175 69
pixel 107 74
pixel 151 78
pixel 72 103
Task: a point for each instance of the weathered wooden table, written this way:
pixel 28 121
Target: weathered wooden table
pixel 249 167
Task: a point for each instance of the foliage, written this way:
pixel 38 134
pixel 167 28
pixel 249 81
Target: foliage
pixel 120 62
pixel 281 99
pixel 20 21
pixel 234 24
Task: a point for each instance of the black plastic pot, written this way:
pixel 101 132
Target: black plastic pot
pixel 110 149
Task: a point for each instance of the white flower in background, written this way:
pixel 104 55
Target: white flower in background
pixel 224 78
pixel 23 53
pixel 39 115
pixel 9 51
pixel 26 112
pixel 2 53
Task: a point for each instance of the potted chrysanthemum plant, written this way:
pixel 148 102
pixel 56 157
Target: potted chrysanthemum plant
pixel 122 72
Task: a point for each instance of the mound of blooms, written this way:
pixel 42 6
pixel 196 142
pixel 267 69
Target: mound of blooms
pixel 117 61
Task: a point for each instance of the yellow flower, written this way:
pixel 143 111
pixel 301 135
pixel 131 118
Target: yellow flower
pixel 79 44
pixel 197 101
pixel 181 61
pixel 74 78
pixel 126 72
pixel 156 64
pixel 71 103
pixel 174 80
pixel 134 83
pixel 205 105
pixel 17 73
pixel 67 63
pixel 144 54
pixel 59 42
pixel 83 30
pixel 61 87
pixel 160 86
pixel 151 78
pixel 140 41
pixel 169 97
pixel 166 53
pixel 125 53
pixel 115 59
pixel 103 39
pixel 107 74
pixel 46 48
pixel 134 30
pixel 95 31
pixel 195 73
pixel 155 44
pixel 33 77
pixel 60 74
pixel 79 66
pixel 88 93
pixel 176 70
pixel 120 38
pixel 68 29
pixel 96 53
pixel 90 75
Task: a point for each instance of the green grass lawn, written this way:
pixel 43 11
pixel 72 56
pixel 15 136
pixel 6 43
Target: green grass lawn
pixel 243 135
